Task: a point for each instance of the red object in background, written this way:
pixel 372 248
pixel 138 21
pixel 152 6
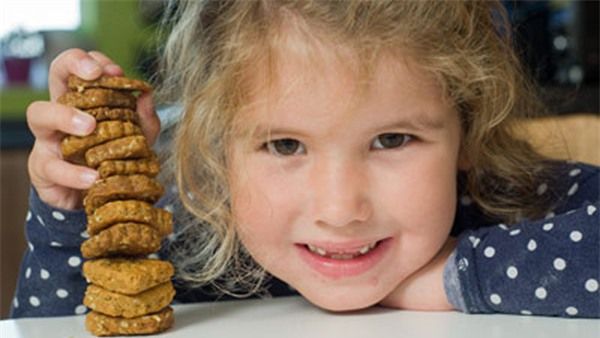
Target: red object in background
pixel 17 70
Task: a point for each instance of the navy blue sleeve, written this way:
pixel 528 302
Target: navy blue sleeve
pixel 50 282
pixel 544 267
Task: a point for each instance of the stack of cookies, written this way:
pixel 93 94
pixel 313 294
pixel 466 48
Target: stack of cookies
pixel 128 293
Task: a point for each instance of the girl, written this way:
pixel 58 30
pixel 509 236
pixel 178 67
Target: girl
pixel 360 151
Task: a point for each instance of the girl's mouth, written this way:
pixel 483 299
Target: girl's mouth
pixel 339 261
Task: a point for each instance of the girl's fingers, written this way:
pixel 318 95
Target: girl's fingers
pixel 149 121
pixel 108 66
pixel 72 61
pixel 46 119
pixel 67 175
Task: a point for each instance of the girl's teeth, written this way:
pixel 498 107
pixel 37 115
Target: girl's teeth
pixel 337 255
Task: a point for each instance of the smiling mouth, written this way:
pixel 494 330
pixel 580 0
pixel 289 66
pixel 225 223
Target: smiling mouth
pixel 342 254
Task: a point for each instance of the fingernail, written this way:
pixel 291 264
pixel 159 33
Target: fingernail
pixel 89 177
pixel 82 123
pixel 88 66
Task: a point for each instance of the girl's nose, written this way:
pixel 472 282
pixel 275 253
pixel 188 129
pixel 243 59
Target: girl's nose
pixel 340 195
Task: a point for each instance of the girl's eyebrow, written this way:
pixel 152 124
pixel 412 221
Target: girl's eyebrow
pixel 418 121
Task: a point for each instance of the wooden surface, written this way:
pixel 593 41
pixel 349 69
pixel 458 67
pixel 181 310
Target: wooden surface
pixel 14 184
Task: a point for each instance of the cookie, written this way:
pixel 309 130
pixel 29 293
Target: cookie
pixel 96 97
pixel 74 147
pixel 102 325
pixel 127 276
pixel 130 211
pixel 107 113
pixel 138 187
pixel 146 166
pixel 129 147
pixel 110 82
pixel 129 238
pixel 119 305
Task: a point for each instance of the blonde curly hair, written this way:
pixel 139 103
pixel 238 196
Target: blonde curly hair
pixel 215 47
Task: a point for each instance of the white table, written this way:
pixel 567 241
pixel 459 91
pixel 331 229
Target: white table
pixel 294 317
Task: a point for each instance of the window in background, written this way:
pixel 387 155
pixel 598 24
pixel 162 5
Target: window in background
pixel 22 43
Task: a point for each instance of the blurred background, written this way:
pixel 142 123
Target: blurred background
pixel 557 41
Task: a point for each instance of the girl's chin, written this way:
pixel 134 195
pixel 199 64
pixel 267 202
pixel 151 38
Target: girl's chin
pixel 341 301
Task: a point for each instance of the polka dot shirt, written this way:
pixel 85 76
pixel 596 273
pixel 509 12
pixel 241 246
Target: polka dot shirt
pixel 543 267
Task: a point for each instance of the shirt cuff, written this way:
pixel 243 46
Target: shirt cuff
pixel 452 284
pixel 56 219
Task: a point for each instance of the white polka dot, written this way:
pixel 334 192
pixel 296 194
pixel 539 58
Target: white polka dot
pixel 591 210
pixel 74 261
pixel 153 256
pixel 526 312
pixel 515 232
pixel 463 264
pixel 549 215
pixel 80 309
pixel 547 226
pixel 591 285
pixel 489 252
pixel 576 236
pixel 55 244
pixel 171 237
pixel 532 245
pixel 512 272
pixel 541 293
pixel 571 311
pixel 169 208
pixel 575 172
pixel 16 303
pixel 85 234
pixel 573 189
pixel 495 298
pixel 39 218
pixel 34 301
pixel 465 200
pixel 28 273
pixel 28 217
pixel 58 215
pixel 44 274
pixel 542 188
pixel 502 226
pixel 31 247
pixel 62 293
pixel 559 264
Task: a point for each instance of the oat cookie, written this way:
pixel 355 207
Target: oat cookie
pixel 129 238
pixel 96 97
pixel 107 113
pixel 127 276
pixel 129 147
pixel 146 166
pixel 110 82
pixel 120 305
pixel 73 147
pixel 130 211
pixel 113 188
pixel 102 325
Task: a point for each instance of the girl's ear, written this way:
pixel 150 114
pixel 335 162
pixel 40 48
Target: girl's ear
pixel 464 164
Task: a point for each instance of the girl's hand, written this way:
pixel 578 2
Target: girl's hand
pixel 424 289
pixel 58 182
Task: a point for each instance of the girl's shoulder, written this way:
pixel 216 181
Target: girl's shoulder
pixel 571 184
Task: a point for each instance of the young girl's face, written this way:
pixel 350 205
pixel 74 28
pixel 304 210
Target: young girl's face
pixel 343 195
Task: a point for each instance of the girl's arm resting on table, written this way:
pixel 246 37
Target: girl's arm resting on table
pixel 545 267
pixel 50 281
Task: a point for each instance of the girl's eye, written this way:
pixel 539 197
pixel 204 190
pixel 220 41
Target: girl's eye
pixel 390 141
pixel 285 147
